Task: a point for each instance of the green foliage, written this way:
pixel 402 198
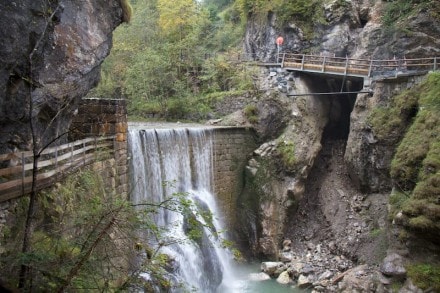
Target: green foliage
pixel 219 74
pixel 387 120
pixel 415 168
pixel 286 149
pixel 398 11
pixel 397 200
pixel 69 224
pixel 425 276
pixel 376 233
pixel 251 113
pixel 83 225
pixel 166 54
pixel 305 13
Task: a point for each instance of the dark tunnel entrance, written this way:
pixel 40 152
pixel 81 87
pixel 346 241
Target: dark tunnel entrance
pixel 340 105
pixel 338 126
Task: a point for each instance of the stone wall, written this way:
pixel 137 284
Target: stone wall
pixel 97 117
pixel 232 149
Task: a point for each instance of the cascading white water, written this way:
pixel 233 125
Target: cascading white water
pixel 183 156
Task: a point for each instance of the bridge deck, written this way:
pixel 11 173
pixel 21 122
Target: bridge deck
pixel 354 67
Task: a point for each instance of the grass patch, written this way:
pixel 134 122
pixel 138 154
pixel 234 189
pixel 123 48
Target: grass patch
pixel 286 149
pixel 415 168
pixel 396 201
pixel 251 113
pixel 398 11
pixel 389 120
pixel 376 233
pixel 425 276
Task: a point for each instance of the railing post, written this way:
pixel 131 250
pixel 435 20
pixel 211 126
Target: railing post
pixel 84 153
pixel 435 63
pixel 323 65
pixel 302 61
pixel 282 60
pixel 71 154
pixel 371 68
pixel 56 162
pixel 346 65
pixel 23 172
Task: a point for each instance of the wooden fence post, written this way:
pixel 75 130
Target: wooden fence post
pixel 371 68
pixel 23 172
pixel 71 153
pixel 84 153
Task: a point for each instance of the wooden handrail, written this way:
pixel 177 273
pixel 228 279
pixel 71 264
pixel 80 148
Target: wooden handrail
pixel 352 66
pixel 54 162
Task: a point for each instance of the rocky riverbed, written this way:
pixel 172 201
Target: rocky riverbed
pixel 337 240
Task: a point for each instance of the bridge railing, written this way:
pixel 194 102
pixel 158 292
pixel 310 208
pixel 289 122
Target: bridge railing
pixel 54 163
pixel 352 66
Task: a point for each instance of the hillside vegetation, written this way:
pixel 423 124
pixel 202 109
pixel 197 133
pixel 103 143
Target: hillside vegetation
pixel 174 57
pixel 415 168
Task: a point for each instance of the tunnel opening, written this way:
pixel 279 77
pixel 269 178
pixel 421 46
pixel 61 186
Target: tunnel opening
pixel 338 125
pixel 340 105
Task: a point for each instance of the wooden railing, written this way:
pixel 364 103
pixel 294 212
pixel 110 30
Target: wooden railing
pixel 54 163
pixel 356 67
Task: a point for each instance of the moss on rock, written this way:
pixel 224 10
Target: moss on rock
pixel 416 165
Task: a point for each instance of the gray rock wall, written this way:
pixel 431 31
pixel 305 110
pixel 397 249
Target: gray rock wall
pixel 368 158
pixel 50 57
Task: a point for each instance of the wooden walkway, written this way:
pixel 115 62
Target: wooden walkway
pixel 355 67
pixel 54 164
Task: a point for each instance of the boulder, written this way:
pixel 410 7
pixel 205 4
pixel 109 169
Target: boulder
pixel 259 277
pixel 303 282
pixel 272 268
pixel 286 256
pixel 392 266
pixel 284 278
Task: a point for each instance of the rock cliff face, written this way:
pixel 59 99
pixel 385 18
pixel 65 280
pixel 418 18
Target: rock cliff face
pixel 50 57
pixel 355 29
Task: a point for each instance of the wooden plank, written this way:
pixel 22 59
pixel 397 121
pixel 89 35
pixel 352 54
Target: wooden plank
pixel 9 156
pixel 10 170
pixel 50 162
pixel 14 188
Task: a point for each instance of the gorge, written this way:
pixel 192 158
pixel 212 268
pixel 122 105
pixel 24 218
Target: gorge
pixel 332 193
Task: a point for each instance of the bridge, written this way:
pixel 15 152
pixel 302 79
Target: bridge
pixel 352 67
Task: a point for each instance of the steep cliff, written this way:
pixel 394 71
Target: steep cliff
pixel 333 189
pixel 49 58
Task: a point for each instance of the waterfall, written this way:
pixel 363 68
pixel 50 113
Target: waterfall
pixel 180 160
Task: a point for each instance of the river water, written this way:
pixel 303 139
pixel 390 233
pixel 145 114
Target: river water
pixel 166 162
